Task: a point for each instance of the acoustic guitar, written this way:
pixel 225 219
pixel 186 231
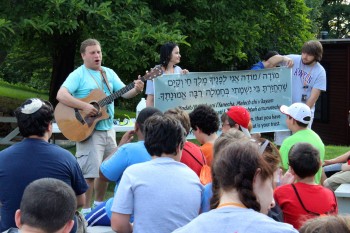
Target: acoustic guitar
pixel 76 125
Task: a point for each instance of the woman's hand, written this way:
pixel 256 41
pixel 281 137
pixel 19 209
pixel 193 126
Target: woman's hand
pixel 184 71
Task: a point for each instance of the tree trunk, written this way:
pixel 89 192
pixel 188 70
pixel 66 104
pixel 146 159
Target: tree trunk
pixel 63 54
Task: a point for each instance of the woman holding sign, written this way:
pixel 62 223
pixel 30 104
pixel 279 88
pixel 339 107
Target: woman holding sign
pixel 169 57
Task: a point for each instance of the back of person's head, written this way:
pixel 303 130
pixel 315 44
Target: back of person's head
pixel 327 224
pixel 269 152
pixel 224 139
pixel 165 52
pixel 47 204
pixel 314 48
pixel 269 54
pixel 235 167
pixel 34 117
pixel 144 115
pixel 205 118
pixel 182 116
pixel 163 134
pixel 88 42
pixel 304 159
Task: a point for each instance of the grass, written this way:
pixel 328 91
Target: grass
pixel 334 151
pixel 20 93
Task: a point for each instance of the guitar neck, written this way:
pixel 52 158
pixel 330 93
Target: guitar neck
pixel 109 99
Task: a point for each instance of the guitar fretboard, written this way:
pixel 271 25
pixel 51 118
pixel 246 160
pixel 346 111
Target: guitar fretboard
pixel 109 99
pixel 156 71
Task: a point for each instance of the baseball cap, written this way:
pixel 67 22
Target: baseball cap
pixel 241 116
pixel 299 111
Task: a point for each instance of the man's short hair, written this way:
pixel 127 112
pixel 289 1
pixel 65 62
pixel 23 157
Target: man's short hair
pixel 182 116
pixel 34 117
pixel 163 134
pixel 269 54
pixel 304 159
pixel 88 42
pixel 144 115
pixel 205 118
pixel 224 117
pixel 314 48
pixel 47 204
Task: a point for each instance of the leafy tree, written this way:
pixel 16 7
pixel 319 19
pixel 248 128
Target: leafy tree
pixel 336 14
pixel 228 35
pixel 315 15
pixel 56 27
pixel 213 35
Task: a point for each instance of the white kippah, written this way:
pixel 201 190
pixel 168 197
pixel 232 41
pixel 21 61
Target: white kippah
pixel 34 105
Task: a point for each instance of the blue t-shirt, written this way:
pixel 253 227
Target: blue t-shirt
pixel 207 194
pixel 31 160
pixel 258 66
pixel 83 80
pixel 125 156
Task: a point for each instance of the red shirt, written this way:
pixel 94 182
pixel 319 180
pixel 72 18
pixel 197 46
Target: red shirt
pixel 314 197
pixel 192 156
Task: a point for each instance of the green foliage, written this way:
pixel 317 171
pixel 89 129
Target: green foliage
pixel 5 28
pixel 315 15
pixel 335 20
pixel 213 35
pixel 26 65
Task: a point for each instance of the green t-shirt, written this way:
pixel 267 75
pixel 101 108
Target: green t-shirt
pixel 308 136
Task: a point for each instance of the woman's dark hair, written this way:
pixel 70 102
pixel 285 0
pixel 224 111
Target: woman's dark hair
pixel 165 53
pixel 234 167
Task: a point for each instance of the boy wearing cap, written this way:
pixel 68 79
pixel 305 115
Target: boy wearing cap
pixel 236 117
pixel 298 118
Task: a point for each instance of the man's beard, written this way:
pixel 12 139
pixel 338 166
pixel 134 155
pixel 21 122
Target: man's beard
pixel 308 63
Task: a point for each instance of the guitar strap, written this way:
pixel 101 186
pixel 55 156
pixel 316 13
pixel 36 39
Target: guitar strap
pixel 103 73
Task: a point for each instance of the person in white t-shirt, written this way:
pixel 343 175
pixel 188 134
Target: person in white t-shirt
pixel 308 80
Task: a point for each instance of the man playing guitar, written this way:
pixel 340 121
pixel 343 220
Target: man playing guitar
pixel 79 84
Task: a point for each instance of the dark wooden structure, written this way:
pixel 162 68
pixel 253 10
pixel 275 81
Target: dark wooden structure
pixel 332 108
